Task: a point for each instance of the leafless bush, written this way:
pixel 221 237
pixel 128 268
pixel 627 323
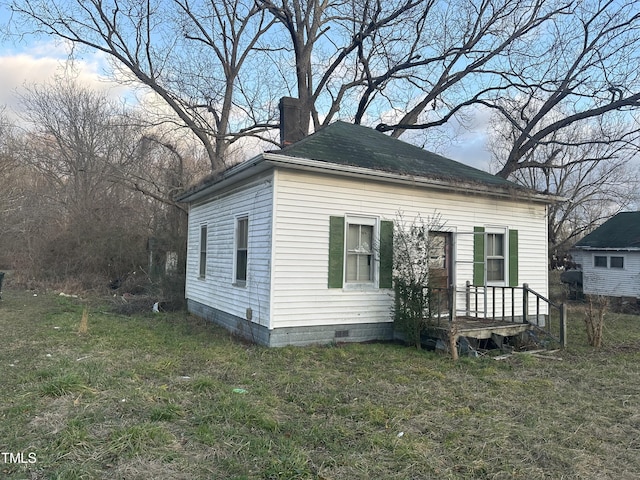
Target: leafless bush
pixel 594 318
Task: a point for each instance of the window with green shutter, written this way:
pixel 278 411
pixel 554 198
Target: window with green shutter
pixel 352 258
pixel 495 256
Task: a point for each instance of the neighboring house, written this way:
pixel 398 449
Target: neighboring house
pixel 295 246
pixel 610 257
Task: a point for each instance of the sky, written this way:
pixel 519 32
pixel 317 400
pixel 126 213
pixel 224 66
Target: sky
pixel 39 60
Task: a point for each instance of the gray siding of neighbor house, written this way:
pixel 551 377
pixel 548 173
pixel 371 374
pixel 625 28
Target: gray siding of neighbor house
pixel 611 282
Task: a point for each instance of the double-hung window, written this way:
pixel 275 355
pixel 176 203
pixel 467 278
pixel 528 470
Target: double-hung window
pixel 359 267
pixel 360 252
pixel 203 251
pixel 241 250
pixel 495 257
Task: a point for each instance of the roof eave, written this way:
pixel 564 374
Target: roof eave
pixel 285 161
pixel 225 178
pixel 606 249
pixel 268 159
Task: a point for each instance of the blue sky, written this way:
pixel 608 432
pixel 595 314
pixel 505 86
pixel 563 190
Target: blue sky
pixel 38 60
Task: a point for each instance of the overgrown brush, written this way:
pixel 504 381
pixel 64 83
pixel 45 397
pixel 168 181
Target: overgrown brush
pixel 594 318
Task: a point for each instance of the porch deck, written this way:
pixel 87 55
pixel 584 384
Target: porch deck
pixel 480 328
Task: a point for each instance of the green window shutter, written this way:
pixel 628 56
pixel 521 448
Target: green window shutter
pixel 478 256
pixel 386 254
pixel 336 251
pixel 513 258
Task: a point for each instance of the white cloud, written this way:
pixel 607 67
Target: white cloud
pixel 40 63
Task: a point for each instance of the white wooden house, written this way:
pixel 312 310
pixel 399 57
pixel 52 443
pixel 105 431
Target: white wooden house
pixel 610 257
pixel 280 247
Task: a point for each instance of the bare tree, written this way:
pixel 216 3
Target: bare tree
pixel 595 178
pixel 188 53
pixel 76 146
pixel 414 64
pixel 11 185
pixel 585 80
pixel 357 57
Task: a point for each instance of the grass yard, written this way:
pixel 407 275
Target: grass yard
pixel 167 396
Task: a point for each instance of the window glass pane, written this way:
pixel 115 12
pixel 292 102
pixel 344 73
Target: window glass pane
pixel 437 250
pixel 353 237
pixel 490 247
pixel 495 245
pixel 243 230
pixel 203 239
pixel 617 262
pixel 366 236
pixel 495 270
pixel 364 268
pixel 241 265
pixel 600 261
pixel 352 268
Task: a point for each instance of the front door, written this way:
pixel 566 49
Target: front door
pixel 440 260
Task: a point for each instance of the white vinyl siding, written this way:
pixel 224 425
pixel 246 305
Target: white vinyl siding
pixel 253 201
pixel 305 203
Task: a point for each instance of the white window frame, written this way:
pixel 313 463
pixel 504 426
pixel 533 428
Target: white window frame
pixel 375 239
pixel 505 255
pixel 240 282
pixel 202 262
pixel 624 262
pixel 606 258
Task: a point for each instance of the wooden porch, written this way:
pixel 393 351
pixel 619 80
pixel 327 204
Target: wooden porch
pixel 493 313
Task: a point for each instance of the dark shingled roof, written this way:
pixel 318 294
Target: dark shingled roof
pixel 621 231
pixel 355 145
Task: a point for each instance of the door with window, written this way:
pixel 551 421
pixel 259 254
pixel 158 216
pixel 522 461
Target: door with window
pixel 440 259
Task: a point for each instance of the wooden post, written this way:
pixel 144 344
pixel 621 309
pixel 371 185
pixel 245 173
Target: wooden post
pixel 525 302
pixel 468 298
pixel 563 325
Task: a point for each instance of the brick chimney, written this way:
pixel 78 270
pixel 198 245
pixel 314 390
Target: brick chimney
pixel 290 125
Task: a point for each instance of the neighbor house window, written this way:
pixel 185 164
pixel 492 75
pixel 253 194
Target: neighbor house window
pixel 203 251
pixel 242 250
pixel 359 265
pixel 600 261
pixel 495 257
pixel 616 262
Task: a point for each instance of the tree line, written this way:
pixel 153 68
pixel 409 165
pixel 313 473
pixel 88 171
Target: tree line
pixel 85 187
